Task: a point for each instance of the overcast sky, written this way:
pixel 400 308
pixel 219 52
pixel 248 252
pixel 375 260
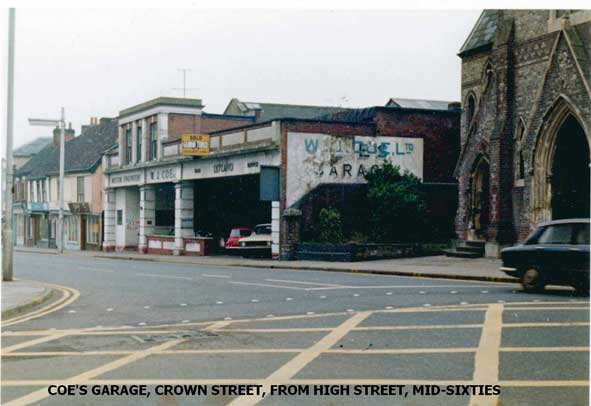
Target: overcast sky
pixel 98 62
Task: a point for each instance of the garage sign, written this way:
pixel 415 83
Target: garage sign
pixel 195 144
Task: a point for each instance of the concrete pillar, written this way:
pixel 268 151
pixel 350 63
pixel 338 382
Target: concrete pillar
pixel 275 222
pixel 183 214
pixel 162 132
pixel 109 219
pixel 147 215
pixel 121 149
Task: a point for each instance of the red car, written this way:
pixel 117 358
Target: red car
pixel 236 234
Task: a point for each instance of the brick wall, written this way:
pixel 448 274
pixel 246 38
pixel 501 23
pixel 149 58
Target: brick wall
pixel 179 124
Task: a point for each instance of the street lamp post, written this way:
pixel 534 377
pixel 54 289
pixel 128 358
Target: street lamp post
pixel 62 126
pixel 7 234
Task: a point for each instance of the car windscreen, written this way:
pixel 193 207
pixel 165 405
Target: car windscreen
pixel 263 229
pixel 240 233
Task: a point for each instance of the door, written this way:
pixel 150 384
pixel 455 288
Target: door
pixel 82 231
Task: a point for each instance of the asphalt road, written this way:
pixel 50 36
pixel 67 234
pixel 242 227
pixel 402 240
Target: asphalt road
pixel 150 323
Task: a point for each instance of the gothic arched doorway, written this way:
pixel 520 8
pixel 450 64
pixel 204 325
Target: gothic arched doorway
pixel 560 187
pixel 479 209
pixel 570 172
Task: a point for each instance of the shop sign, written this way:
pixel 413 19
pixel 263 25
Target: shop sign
pixel 118 179
pixel 195 144
pixel 167 174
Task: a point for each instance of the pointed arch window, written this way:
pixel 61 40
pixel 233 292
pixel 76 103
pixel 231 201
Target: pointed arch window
pixel 470 108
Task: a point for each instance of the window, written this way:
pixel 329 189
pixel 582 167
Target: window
pixel 581 234
pixel 470 109
pixel 557 234
pixel 153 141
pixel 80 188
pixel 138 143
pixel 71 223
pixel 119 217
pixel 92 229
pixel 44 190
pixel 128 146
pixel 164 206
pixel 38 194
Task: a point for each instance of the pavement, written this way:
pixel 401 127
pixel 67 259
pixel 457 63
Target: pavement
pixel 154 323
pixel 440 266
pixel 19 296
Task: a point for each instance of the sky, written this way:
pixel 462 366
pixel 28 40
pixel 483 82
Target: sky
pixel 97 62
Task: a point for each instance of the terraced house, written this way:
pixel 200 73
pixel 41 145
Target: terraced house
pixel 36 200
pixel 526 127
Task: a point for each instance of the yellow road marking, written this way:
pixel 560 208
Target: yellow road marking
pixel 296 364
pixel 486 359
pixel 547 324
pixel 88 375
pixel 70 295
pixel 30 343
pixel 418 327
pixel 544 349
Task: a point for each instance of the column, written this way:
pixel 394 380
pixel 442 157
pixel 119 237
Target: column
pixel 183 214
pixel 121 149
pixel 147 215
pixel 291 233
pixel 162 132
pixel 275 221
pixel 109 220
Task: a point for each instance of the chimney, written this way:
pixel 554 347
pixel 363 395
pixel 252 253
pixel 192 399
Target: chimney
pixel 68 135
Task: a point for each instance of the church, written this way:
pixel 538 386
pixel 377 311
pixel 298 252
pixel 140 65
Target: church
pixel 525 124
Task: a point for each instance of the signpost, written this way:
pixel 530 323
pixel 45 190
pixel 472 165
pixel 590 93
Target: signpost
pixel 195 144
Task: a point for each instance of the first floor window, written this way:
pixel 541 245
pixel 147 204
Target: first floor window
pixel 119 217
pixel 92 229
pixel 128 142
pixel 80 188
pixel 153 141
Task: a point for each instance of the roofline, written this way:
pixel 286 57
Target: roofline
pixel 472 30
pixel 295 105
pixel 307 120
pixel 228 116
pixel 161 101
pixel 473 51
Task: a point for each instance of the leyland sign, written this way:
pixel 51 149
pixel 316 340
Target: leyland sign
pixel 195 144
pixel 314 159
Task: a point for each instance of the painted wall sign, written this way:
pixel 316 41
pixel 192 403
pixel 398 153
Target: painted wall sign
pixel 125 179
pixel 244 164
pixel 195 144
pixel 165 174
pixel 314 159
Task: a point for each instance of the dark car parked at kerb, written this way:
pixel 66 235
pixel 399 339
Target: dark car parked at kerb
pixel 557 253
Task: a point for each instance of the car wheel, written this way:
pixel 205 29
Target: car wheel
pixel 532 281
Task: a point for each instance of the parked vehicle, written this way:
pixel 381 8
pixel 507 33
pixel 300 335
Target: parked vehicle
pixel 258 243
pixel 236 233
pixel 557 252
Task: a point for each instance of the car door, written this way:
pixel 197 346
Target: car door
pixel 552 251
pixel 577 257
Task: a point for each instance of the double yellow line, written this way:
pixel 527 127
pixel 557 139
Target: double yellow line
pixel 68 296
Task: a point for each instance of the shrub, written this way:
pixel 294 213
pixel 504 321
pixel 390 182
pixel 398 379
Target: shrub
pixel 397 205
pixel 331 229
